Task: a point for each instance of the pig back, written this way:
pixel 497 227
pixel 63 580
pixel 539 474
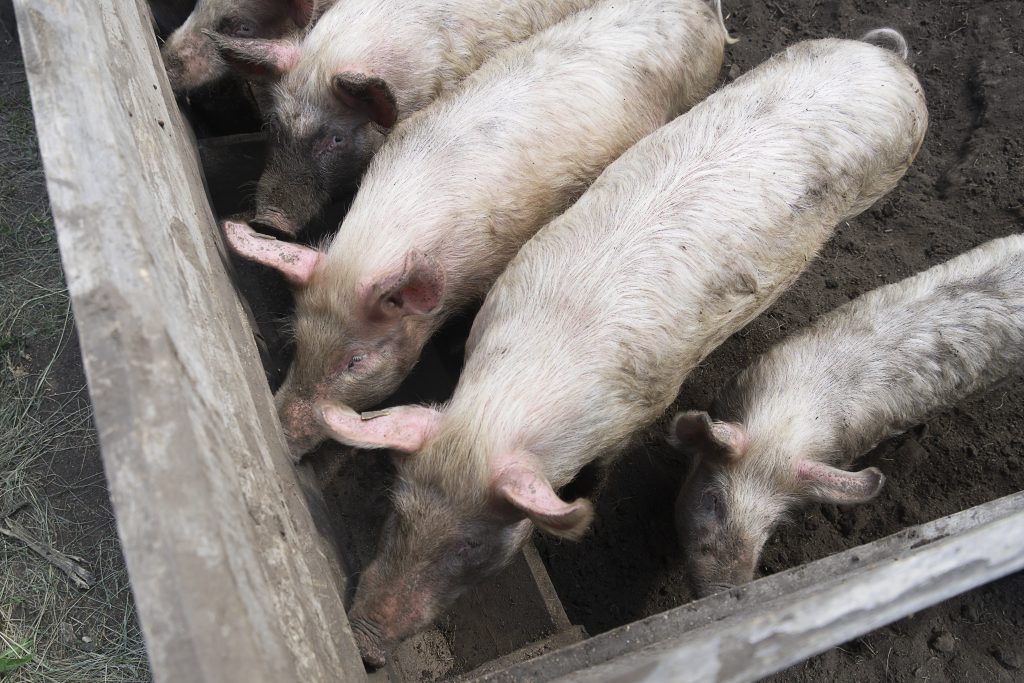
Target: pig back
pixel 472 177
pixel 685 239
pixel 886 361
pixel 422 48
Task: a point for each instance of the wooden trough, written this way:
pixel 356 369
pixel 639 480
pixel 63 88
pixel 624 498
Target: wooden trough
pixel 240 561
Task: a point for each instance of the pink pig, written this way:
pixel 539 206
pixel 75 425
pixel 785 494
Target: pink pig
pixel 459 187
pixel 587 336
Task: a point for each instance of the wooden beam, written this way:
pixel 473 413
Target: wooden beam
pixel 765 626
pixel 233 579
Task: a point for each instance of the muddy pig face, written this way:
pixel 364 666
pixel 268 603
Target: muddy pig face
pixel 321 135
pixel 432 551
pixel 356 338
pixel 721 545
pixel 456 521
pixel 191 58
pixel 315 156
pixel 739 490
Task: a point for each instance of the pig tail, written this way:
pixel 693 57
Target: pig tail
pixel 729 40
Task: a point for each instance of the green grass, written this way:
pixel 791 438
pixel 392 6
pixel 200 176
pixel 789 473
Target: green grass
pixel 13 658
pixel 50 631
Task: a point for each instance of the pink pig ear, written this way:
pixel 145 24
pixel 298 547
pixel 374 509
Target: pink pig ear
pixel 256 58
pixel 295 261
pixel 694 431
pixel 368 94
pixel 417 290
pixel 832 485
pixel 404 428
pixel 520 483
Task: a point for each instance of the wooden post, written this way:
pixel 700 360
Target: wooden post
pixel 233 580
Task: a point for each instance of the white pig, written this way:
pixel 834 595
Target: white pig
pixel 459 188
pixel 586 337
pixel 365 66
pixel 866 371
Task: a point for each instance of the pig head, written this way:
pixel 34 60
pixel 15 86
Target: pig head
pixel 320 140
pixel 458 519
pixel 741 486
pixel 191 58
pixel 353 345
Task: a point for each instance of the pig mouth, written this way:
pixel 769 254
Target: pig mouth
pixel 274 222
pixel 370 643
pixel 704 590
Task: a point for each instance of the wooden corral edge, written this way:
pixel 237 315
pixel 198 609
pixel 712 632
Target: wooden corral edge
pixel 763 627
pixel 232 578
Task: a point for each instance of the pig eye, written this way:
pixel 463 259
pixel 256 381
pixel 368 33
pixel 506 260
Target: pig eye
pixel 330 144
pixel 466 547
pixel 355 361
pixel 236 28
pixel 711 505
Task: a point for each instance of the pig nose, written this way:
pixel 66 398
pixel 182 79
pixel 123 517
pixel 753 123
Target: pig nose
pixel 298 447
pixel 175 67
pixel 274 221
pixel 368 639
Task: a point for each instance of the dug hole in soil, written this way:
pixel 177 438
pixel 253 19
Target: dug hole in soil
pixel 964 189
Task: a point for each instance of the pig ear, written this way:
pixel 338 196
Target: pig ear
pixel 832 485
pixel 295 261
pixel 694 431
pixel 415 291
pixel 520 483
pixel 368 94
pixel 404 428
pixel 256 58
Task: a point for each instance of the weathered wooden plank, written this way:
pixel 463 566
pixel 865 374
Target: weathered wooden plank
pixel 754 630
pixel 232 578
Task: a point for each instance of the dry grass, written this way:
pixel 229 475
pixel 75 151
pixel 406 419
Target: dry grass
pixel 49 629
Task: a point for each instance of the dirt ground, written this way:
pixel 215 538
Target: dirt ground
pixel 964 189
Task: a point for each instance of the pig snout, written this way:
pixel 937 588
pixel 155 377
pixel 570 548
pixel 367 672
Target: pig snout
pixel 716 569
pixel 721 579
pixel 287 202
pixel 393 616
pixel 191 61
pixel 174 65
pixel 302 430
pixel 369 641
pixel 275 221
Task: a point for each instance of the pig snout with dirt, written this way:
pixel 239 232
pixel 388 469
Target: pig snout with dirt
pixel 587 336
pixel 365 66
pixel 191 58
pixel 459 187
pixel 870 369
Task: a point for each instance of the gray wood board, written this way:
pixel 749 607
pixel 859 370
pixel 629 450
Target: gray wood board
pixel 232 578
pixel 762 627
